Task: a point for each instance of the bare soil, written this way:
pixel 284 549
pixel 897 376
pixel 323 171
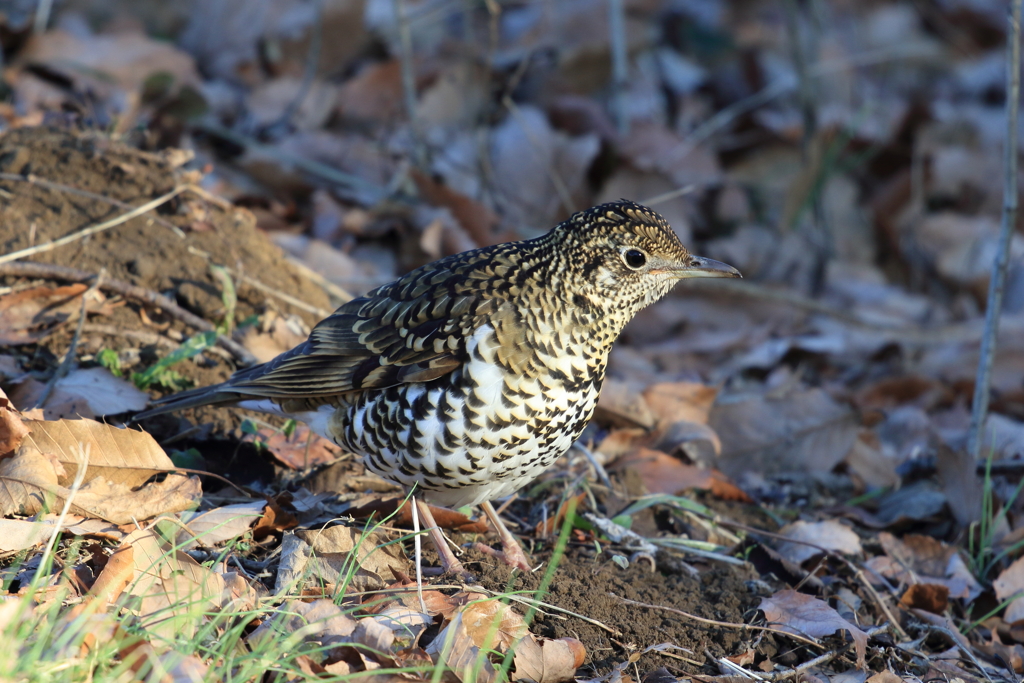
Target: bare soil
pixel 150 254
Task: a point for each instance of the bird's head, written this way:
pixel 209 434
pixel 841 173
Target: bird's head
pixel 625 255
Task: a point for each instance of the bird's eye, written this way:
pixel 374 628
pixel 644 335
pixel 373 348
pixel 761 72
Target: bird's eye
pixel 634 258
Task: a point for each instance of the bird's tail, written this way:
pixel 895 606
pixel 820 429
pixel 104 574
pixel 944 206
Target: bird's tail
pixel 216 394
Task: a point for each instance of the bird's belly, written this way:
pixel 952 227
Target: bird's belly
pixel 467 437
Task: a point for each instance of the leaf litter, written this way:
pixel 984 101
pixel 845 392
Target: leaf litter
pixel 792 452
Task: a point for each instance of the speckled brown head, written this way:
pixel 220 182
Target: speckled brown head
pixel 623 255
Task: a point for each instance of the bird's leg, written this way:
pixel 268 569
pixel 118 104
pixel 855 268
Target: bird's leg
pixel 512 554
pixel 449 562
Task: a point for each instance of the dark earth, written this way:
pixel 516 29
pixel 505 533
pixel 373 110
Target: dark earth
pixel 149 253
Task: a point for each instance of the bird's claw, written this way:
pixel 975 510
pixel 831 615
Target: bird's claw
pixel 513 556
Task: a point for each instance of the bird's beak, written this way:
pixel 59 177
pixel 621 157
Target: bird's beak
pixel 699 266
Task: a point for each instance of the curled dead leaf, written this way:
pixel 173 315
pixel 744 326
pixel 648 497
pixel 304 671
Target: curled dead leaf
pixel 807 616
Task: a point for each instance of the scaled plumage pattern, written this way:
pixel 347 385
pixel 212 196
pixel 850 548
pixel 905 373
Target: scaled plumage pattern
pixel 471 375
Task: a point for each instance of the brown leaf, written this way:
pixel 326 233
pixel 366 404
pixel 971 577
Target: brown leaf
pixel 208 529
pixel 12 427
pixel 275 519
pixel 17 534
pixel 554 524
pixel 374 95
pixel 885 677
pixel 31 314
pixel 621 404
pixel 1010 582
pixel 117 574
pixel 680 401
pixel 300 451
pixel 547 661
pixel 99 391
pixel 924 559
pixel 801 430
pixel 275 335
pixel 319 621
pixel 931 597
pixel 120 455
pixel 653 147
pixel 340 548
pixel 809 617
pixel 961 483
pixel 475 218
pixel 171 591
pixel 481 627
pixel 29 483
pixel 662 473
pixel 829 534
pixel 127 58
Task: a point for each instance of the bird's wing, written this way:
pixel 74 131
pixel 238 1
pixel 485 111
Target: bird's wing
pixel 412 330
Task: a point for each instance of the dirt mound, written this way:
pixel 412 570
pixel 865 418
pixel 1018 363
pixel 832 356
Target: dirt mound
pixel 57 182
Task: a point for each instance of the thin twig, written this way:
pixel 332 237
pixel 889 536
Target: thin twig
pixel 408 66
pixel 724 624
pixel 93 229
pixel 620 63
pixel 68 189
pixel 45 270
pixel 809 664
pixel 997 283
pixel 799 49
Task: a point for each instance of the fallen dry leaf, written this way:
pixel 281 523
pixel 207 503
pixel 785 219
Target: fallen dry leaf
pixel 319 621
pixel 301 450
pixel 31 314
pixel 123 456
pixel 127 58
pixel 829 534
pixel 804 615
pixel 16 534
pixel 12 427
pixel 475 218
pixel 98 390
pixel 116 575
pixel 275 335
pixel 680 401
pixel 1009 583
pixel 930 597
pixel 801 430
pixel 547 661
pixel 623 405
pixel 475 631
pixel 339 550
pixel 210 528
pixel 171 591
pixel 923 559
pixel 29 484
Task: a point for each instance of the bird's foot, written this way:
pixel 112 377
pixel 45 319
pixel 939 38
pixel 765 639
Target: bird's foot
pixel 456 569
pixel 511 554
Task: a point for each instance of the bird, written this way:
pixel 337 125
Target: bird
pixel 468 377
